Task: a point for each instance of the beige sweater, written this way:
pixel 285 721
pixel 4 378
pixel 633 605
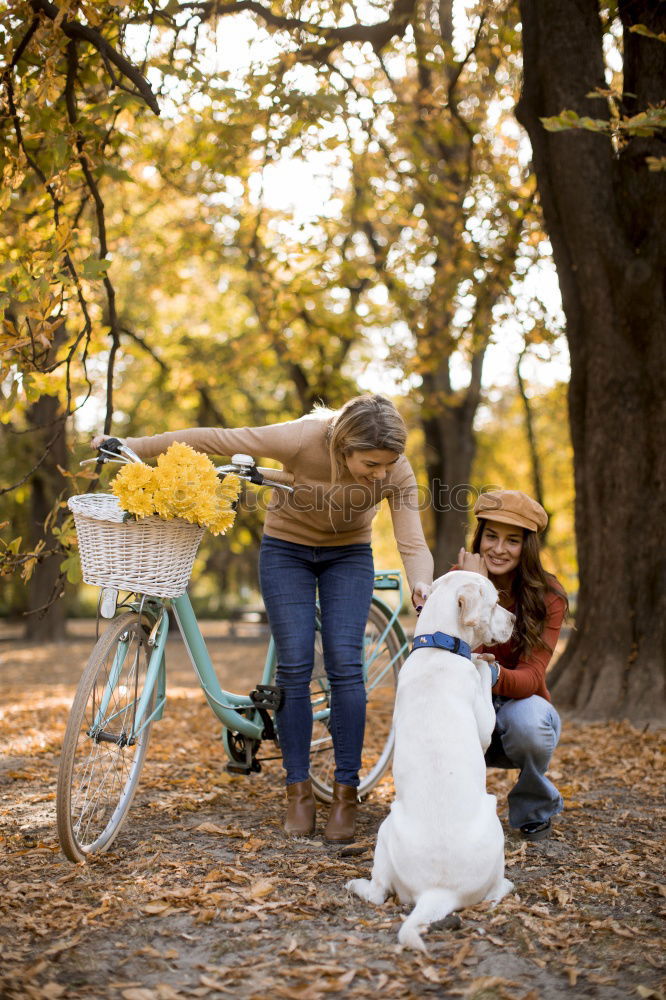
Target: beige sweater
pixel 317 513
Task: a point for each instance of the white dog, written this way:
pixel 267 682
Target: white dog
pixel 442 845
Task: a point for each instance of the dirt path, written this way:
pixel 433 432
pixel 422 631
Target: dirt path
pixel 204 896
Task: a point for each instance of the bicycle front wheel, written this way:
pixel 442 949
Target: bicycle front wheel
pixel 383 656
pixel 102 755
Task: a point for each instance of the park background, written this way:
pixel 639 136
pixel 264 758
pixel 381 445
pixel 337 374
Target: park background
pixel 225 214
pixel 222 213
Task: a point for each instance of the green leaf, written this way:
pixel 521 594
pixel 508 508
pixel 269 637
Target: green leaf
pixel 594 124
pixel 653 118
pixel 123 100
pixel 61 151
pixel 95 268
pixel 32 392
pixel 7 404
pixel 559 123
pixel 642 29
pixel 571 120
pixel 71 567
pixel 117 173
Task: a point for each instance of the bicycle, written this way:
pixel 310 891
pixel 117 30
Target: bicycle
pixel 122 690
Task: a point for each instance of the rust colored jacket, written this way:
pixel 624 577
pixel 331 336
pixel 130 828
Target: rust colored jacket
pixel 522 677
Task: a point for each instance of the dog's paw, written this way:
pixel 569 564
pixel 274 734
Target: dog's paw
pixel 504 890
pixel 409 937
pixel 355 885
pixel 365 889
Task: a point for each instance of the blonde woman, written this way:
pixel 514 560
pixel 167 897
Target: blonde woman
pixel 317 542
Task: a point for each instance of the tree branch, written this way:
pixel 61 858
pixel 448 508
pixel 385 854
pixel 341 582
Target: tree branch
pixel 25 41
pixel 38 464
pixel 378 35
pixel 74 30
pixel 145 347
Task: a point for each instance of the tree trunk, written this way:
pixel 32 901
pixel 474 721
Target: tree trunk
pixel 532 447
pixel 606 216
pixel 449 454
pixel 46 487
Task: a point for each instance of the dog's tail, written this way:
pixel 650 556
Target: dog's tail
pixel 434 904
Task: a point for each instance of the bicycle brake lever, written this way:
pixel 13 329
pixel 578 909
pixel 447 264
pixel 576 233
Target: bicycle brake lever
pixel 113 452
pixel 111 445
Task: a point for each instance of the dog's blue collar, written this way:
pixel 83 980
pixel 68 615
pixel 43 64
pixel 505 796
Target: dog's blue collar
pixel 440 640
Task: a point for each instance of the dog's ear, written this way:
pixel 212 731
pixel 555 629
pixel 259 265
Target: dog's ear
pixel 470 605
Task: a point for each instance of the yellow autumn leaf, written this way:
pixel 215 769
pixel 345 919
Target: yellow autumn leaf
pixel 210 828
pixel 262 888
pixel 154 908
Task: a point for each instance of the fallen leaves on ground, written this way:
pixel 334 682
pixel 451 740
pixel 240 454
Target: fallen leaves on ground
pixel 203 895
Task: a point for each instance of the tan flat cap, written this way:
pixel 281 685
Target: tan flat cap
pixel 511 507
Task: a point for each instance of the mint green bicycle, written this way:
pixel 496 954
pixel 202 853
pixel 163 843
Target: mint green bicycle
pixel 122 691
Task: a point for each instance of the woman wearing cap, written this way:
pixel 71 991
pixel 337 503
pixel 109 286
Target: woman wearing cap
pixel 505 548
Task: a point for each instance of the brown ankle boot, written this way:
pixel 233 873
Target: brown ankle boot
pixel 342 818
pixel 300 821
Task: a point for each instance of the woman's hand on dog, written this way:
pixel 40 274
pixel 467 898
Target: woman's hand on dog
pixel 420 594
pixel 489 658
pixel 472 562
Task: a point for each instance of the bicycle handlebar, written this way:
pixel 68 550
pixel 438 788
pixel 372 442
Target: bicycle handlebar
pixel 276 476
pixel 116 451
pixel 244 467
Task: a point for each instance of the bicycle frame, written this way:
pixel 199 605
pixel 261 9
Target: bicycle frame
pixel 225 704
pixel 387 580
pixel 155 674
pixel 231 709
pixel 384 580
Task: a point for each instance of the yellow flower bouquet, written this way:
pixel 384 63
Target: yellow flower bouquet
pixel 183 485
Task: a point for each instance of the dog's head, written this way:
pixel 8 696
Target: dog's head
pixel 468 605
pixel 479 611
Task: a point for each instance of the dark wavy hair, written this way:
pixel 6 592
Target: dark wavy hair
pixel 530 586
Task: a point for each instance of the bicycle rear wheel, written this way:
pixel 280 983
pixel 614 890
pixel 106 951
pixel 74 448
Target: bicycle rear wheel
pixel 101 758
pixel 382 661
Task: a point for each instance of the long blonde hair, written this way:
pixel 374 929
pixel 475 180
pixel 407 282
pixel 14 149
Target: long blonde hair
pixel 365 423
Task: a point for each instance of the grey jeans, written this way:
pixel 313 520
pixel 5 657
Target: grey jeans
pixel 526 733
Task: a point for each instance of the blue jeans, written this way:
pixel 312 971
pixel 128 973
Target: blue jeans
pixel 526 734
pixel 290 575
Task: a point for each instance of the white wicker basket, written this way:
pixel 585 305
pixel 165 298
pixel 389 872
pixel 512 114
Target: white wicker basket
pixel 149 555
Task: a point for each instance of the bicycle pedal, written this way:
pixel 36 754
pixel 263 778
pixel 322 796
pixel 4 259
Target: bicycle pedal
pixel 237 767
pixel 267 696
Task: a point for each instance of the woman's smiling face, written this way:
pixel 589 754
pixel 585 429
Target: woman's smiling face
pixel 370 467
pixel 501 546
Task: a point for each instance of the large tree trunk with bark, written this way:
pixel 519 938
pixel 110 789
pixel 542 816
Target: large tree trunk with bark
pixel 47 620
pixel 448 428
pixel 605 212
